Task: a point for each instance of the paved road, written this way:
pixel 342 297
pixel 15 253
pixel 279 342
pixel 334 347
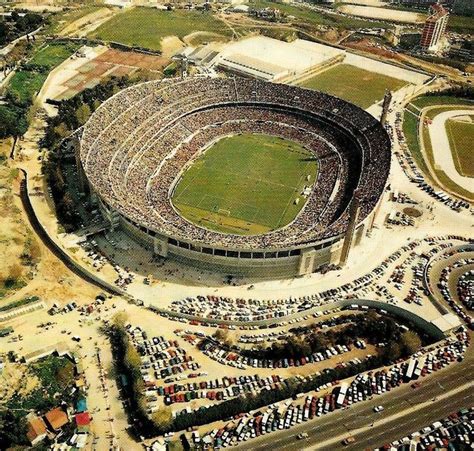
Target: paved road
pixel 341 423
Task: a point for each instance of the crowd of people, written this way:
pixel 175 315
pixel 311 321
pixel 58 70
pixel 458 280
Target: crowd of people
pixel 137 143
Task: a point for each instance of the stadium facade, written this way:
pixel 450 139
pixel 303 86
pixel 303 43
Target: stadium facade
pixel 135 146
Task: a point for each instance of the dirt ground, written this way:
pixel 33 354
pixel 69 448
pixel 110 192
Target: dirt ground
pixel 48 278
pixel 87 23
pixel 171 45
pixel 382 13
pixel 14 234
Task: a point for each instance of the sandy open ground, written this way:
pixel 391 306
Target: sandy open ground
pixel 382 13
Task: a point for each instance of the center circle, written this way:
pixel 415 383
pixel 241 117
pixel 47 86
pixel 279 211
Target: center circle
pixel 246 184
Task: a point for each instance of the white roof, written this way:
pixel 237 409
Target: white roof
pixel 282 57
pixel 447 322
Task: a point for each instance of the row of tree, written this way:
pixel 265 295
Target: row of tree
pixel 382 329
pixel 16 25
pixel 370 326
pixel 72 114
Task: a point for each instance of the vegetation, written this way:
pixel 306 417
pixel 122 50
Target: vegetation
pixel 443 101
pixel 146 27
pixel 55 377
pixel 375 328
pixel 308 19
pixel 353 84
pixel 371 327
pixel 72 113
pixel 461 24
pixel 26 83
pixel 20 303
pixel 454 96
pixel 58 21
pixel 460 140
pixel 255 182
pixel 14 26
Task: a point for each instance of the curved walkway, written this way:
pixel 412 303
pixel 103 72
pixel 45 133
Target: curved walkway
pixel 440 145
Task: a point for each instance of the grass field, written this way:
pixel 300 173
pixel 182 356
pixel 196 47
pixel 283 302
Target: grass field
pixel 145 27
pixel 353 84
pixel 460 135
pixel 245 184
pixel 52 55
pixel 25 83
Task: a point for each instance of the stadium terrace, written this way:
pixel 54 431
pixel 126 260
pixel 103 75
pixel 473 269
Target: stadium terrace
pixel 136 145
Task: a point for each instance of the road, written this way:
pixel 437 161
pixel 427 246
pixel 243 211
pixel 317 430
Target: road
pixel 404 412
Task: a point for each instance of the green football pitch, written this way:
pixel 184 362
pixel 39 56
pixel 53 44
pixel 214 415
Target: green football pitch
pixel 353 84
pixel 246 184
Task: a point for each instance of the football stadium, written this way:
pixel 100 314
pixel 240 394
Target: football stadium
pixel 236 175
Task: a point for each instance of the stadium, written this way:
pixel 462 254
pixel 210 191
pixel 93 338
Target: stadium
pixel 236 175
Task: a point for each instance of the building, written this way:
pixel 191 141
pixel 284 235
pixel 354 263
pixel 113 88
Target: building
pixel 229 106
pixel 36 430
pixel 270 59
pixel 56 419
pixel 433 31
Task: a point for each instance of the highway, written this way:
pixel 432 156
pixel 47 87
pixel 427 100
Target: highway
pixel 405 410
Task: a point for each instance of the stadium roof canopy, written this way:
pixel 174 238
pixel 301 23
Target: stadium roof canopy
pixel 273 60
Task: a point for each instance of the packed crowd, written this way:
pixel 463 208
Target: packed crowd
pixel 137 143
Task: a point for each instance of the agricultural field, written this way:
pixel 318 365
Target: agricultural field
pixel 460 134
pixel 146 27
pixel 245 184
pixel 353 84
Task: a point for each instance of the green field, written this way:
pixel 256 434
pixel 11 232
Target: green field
pixel 51 55
pixel 26 83
pixel 460 136
pixel 145 27
pixel 245 184
pixel 353 84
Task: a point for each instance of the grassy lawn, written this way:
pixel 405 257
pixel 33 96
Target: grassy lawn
pixel 26 83
pixel 145 27
pixel 245 184
pixel 52 55
pixel 353 84
pixel 460 135
pixel 461 24
pixel 315 18
pixel 411 128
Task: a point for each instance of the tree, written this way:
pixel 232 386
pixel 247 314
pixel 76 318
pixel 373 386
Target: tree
pixel 119 320
pixel 132 358
pixel 83 113
pixel 410 342
pixel 222 336
pixel 162 418
pixel 392 351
